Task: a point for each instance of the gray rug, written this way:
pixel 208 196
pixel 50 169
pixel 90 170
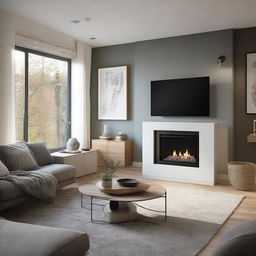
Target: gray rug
pixel 175 237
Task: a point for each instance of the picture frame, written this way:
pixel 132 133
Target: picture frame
pixel 113 93
pixel 250 95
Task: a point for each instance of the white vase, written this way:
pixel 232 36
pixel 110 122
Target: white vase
pixel 105 131
pixel 106 183
pixel 73 144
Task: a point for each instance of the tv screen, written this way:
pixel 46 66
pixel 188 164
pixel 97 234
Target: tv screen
pixel 180 97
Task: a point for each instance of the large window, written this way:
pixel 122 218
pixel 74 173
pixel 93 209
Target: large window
pixel 42 97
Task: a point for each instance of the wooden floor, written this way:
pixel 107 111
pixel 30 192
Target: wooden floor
pixel 245 211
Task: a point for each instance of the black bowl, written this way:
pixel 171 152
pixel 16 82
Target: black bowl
pixel 128 182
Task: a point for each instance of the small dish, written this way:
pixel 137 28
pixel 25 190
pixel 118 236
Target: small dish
pixel 128 182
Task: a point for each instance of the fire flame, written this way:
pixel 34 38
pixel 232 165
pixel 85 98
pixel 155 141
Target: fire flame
pixel 182 155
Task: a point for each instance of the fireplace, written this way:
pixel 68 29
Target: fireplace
pixel 176 148
pixel 210 152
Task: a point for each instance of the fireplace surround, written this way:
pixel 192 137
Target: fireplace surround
pixel 212 152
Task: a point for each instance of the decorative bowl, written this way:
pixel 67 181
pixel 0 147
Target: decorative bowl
pixel 128 182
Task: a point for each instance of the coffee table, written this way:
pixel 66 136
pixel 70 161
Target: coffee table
pixel 122 208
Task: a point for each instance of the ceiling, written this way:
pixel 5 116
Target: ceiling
pixel 123 21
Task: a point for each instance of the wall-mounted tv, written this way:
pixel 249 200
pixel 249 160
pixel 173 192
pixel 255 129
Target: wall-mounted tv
pixel 181 97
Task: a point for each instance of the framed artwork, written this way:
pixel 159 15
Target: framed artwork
pixel 113 93
pixel 251 83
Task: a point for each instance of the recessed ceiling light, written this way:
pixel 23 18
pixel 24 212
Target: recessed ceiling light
pixel 93 38
pixel 87 19
pixel 75 21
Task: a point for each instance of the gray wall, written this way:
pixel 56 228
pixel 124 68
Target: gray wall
pixel 245 41
pixel 168 58
pixel 106 57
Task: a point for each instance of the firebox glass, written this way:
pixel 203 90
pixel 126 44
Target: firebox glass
pixel 177 148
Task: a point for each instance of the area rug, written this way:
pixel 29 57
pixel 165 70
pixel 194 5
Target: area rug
pixel 194 216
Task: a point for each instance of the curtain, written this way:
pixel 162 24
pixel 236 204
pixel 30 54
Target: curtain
pixel 80 106
pixel 7 104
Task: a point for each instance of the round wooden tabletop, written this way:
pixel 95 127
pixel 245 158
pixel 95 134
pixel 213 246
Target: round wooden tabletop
pixel 154 191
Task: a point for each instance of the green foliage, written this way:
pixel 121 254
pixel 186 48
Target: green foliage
pixel 109 168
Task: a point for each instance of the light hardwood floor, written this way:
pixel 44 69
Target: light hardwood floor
pixel 245 211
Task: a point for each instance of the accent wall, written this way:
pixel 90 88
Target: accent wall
pixel 168 58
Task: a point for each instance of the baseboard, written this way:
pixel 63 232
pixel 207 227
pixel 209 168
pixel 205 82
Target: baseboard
pixel 137 164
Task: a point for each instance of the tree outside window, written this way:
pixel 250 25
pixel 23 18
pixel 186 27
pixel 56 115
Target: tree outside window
pixel 42 98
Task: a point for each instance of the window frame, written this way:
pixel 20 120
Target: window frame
pixel 26 117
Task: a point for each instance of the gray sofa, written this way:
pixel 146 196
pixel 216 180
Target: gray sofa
pixel 26 239
pixel 30 240
pixel 10 194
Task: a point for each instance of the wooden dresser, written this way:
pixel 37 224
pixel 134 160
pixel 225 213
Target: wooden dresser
pixel 113 150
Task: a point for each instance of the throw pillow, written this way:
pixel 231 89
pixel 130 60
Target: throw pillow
pixel 3 170
pixel 40 153
pixel 17 157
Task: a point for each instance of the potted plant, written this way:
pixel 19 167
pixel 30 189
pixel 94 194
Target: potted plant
pixel 109 169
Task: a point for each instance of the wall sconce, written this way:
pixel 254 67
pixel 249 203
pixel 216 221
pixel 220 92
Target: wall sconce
pixel 221 59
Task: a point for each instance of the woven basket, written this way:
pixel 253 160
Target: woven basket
pixel 241 175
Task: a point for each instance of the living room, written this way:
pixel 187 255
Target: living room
pixel 123 123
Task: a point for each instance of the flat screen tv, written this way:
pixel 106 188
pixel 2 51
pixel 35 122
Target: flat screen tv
pixel 181 97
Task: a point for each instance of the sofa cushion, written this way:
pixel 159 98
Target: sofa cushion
pixel 9 191
pixel 23 239
pixel 40 153
pixel 3 170
pixel 17 157
pixel 60 171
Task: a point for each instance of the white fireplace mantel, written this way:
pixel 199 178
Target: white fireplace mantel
pixel 213 152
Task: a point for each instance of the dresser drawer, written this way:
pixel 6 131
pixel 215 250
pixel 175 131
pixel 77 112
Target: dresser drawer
pixel 101 145
pixel 116 147
pixel 118 151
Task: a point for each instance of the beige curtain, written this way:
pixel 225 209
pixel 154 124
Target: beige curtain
pixel 81 70
pixel 7 106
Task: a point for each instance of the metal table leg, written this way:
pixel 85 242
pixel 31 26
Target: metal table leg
pixel 91 209
pixel 81 200
pixel 165 210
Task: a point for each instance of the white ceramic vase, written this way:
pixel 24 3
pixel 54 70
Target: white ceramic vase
pixel 73 144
